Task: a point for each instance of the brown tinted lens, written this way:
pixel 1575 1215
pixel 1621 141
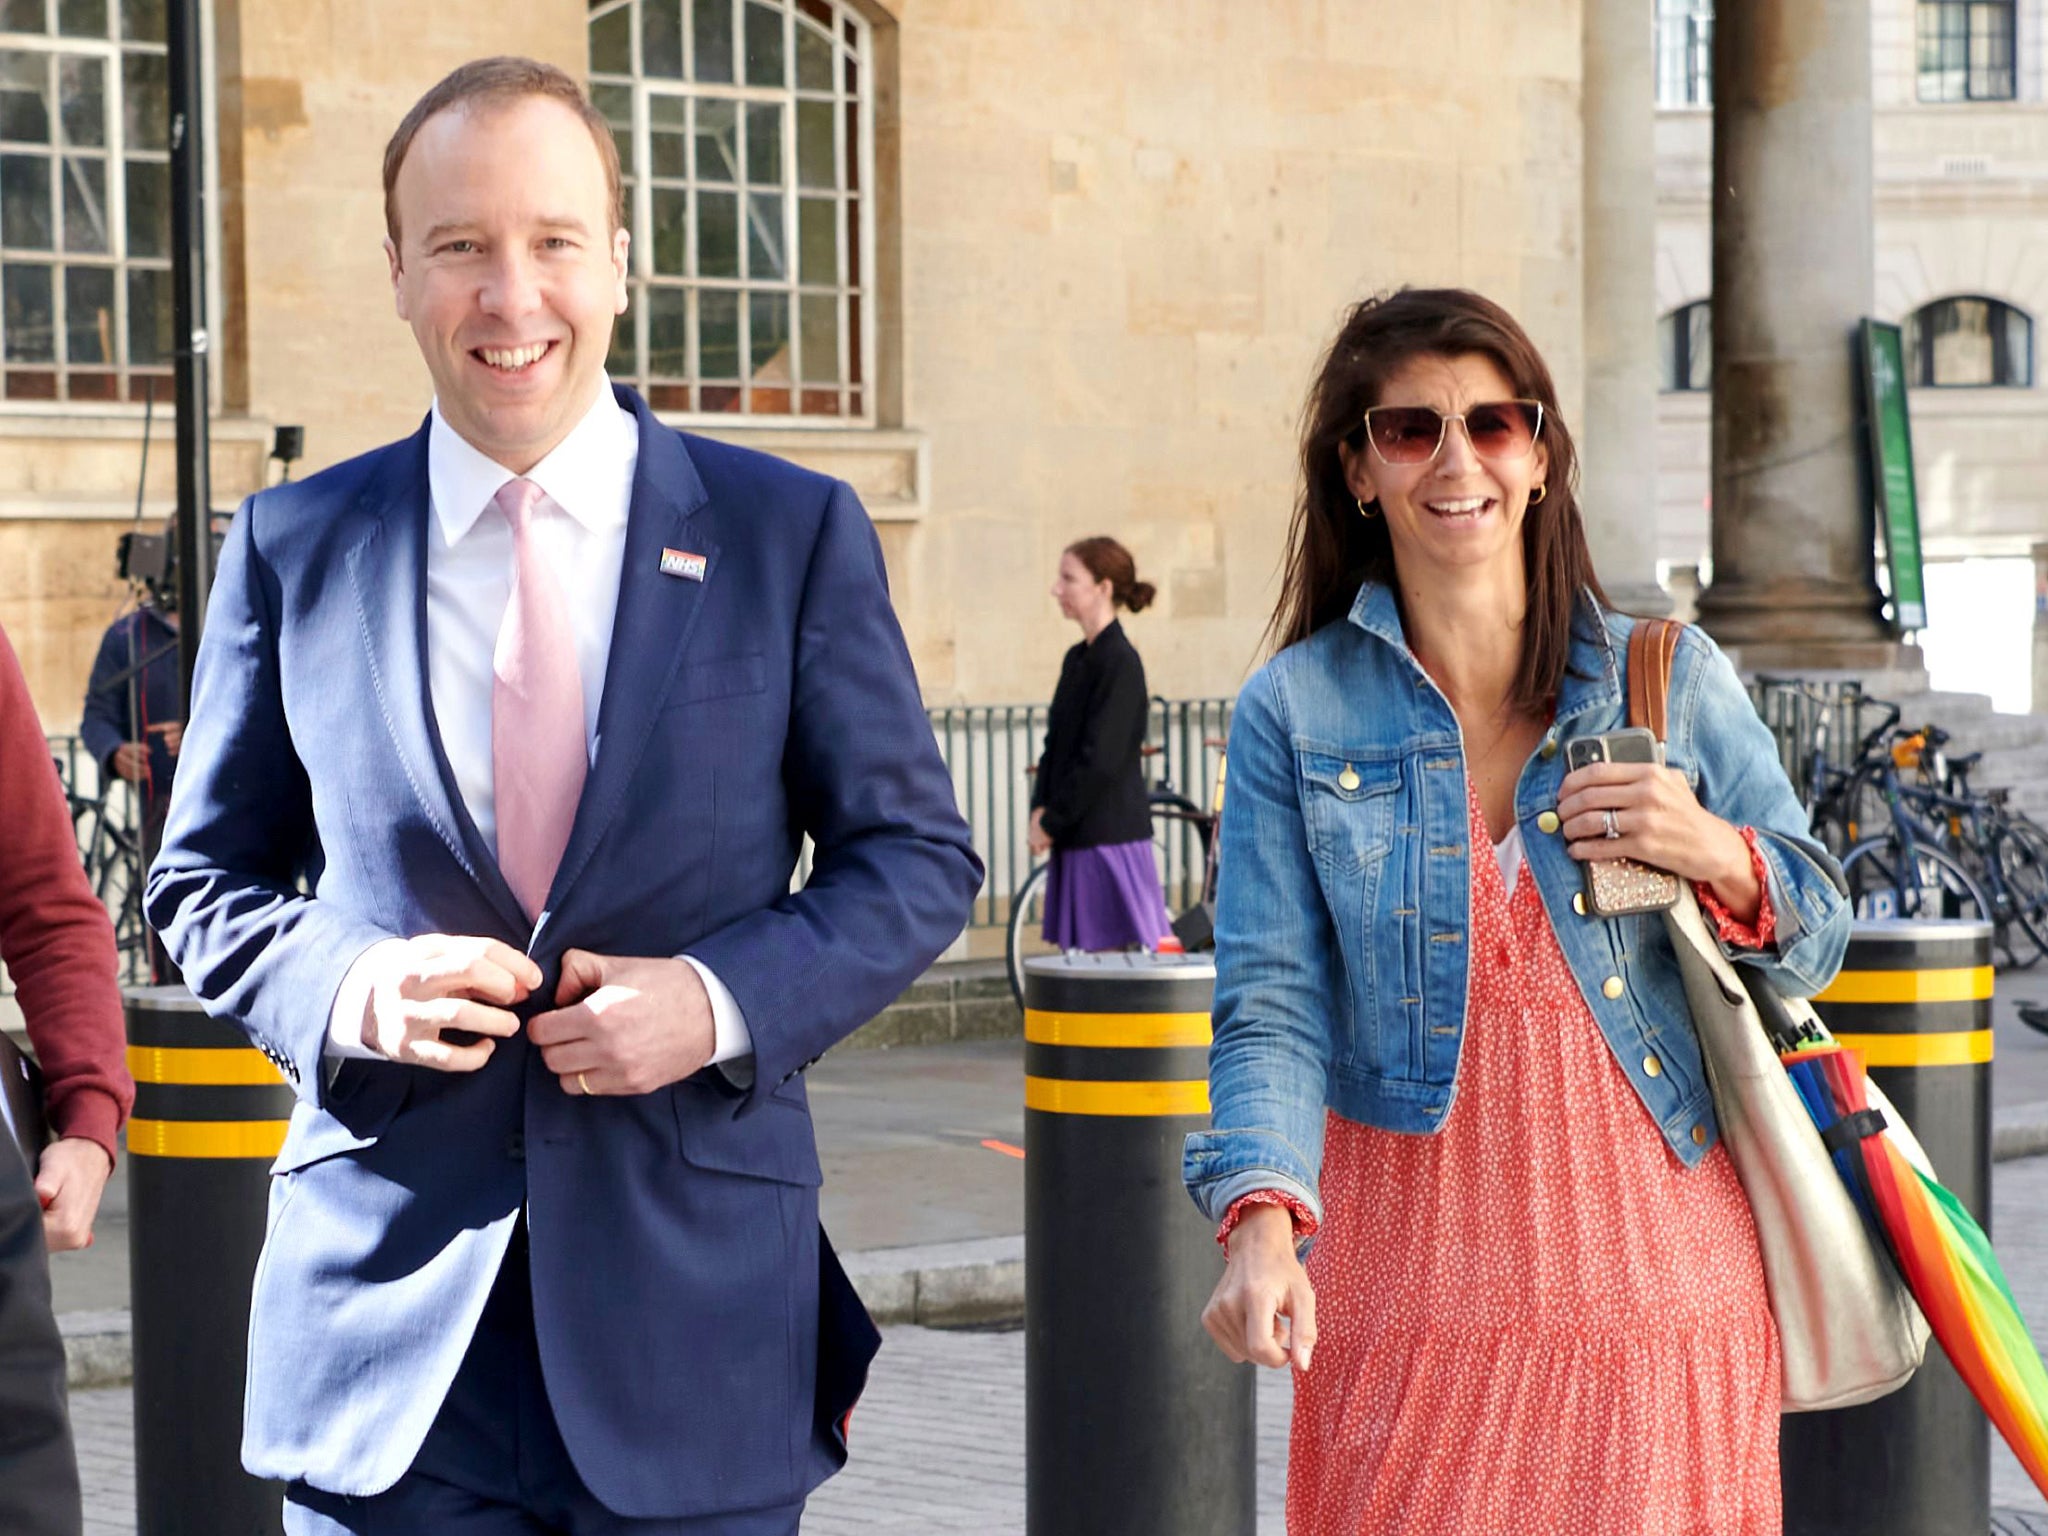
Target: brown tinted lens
pixel 1504 429
pixel 1404 434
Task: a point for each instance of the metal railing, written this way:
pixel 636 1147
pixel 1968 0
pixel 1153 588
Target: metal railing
pixel 991 749
pixel 1801 713
pixel 106 817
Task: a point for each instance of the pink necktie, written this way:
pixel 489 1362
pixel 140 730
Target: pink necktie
pixel 538 757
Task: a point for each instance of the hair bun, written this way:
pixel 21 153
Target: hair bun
pixel 1138 596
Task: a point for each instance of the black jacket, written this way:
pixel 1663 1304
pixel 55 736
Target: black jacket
pixel 1090 781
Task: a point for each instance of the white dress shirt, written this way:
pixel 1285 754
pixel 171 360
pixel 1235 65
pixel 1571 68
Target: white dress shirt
pixel 589 478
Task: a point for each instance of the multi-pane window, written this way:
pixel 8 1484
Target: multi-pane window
pixel 1966 50
pixel 1685 347
pixel 1685 53
pixel 1969 343
pixel 743 130
pixel 85 199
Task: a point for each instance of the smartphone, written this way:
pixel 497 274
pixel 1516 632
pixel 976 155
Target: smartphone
pixel 1622 887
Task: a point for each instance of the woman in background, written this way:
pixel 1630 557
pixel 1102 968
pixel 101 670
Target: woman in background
pixel 1088 802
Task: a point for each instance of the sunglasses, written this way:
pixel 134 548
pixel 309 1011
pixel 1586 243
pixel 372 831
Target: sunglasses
pixel 1414 434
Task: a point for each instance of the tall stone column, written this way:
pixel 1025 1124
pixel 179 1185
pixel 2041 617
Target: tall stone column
pixel 1618 436
pixel 1794 581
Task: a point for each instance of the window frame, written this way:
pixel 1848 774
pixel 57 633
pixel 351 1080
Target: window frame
pixel 1684 43
pixel 213 295
pixel 856 373
pixel 1964 12
pixel 1920 353
pixel 1682 351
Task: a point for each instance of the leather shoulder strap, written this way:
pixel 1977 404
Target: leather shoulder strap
pixel 1651 646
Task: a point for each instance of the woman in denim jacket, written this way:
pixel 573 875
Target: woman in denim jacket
pixel 1542 1305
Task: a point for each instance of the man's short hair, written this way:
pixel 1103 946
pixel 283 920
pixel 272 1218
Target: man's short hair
pixel 498 82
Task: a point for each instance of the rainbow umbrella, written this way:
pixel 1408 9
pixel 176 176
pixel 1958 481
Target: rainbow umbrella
pixel 1944 1255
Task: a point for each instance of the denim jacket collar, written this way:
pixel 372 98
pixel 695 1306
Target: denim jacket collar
pixel 1593 677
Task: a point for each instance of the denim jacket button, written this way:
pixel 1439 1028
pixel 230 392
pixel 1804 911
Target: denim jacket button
pixel 1579 902
pixel 1549 749
pixel 1348 779
pixel 1611 987
pixel 1699 1135
pixel 1547 822
pixel 1652 1067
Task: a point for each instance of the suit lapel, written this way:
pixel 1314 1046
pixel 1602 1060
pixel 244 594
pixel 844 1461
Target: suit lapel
pixel 387 565
pixel 656 613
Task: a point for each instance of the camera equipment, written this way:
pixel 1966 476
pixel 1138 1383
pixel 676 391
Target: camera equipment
pixel 288 446
pixel 151 559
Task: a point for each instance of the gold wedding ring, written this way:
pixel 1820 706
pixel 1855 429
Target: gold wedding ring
pixel 582 1086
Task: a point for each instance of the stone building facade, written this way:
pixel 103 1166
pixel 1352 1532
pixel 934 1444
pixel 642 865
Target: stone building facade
pixel 1096 250
pixel 1960 136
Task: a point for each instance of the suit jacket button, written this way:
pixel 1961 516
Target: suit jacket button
pixel 515 1146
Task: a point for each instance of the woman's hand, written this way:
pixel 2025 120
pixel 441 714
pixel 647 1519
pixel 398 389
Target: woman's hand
pixel 1662 824
pixel 1037 838
pixel 1264 1309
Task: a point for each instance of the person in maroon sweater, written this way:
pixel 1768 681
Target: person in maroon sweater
pixel 58 945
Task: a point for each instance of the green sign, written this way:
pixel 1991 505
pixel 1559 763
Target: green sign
pixel 1891 470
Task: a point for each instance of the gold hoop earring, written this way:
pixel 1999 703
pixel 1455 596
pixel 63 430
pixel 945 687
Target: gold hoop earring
pixel 1536 496
pixel 1363 510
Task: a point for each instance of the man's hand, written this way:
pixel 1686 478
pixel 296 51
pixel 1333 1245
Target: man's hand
pixel 425 987
pixel 69 1181
pixel 1264 1309
pixel 624 1024
pixel 173 733
pixel 131 761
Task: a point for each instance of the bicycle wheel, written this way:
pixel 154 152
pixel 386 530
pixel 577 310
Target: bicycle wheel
pixel 1180 847
pixel 2023 865
pixel 1027 929
pixel 1887 881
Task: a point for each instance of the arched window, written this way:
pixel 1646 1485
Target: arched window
pixel 744 134
pixel 1968 342
pixel 1685 347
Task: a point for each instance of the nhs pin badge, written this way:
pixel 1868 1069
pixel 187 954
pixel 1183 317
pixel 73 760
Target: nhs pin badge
pixel 680 562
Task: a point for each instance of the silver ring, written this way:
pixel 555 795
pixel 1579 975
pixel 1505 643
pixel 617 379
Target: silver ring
pixel 1613 824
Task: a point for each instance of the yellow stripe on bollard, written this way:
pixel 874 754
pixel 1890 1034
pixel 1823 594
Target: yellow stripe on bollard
pixel 206 1138
pixel 1141 1031
pixel 1964 984
pixel 1956 1048
pixel 193 1067
pixel 1062 1096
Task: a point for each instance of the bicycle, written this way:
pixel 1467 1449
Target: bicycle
pixel 1174 816
pixel 113 868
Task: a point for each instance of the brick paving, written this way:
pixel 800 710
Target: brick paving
pixel 939 1439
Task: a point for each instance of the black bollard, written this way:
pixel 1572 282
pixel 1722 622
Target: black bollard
pixel 1135 1424
pixel 210 1115
pixel 1915 998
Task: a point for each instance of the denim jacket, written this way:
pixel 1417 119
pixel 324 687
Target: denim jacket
pixel 1344 919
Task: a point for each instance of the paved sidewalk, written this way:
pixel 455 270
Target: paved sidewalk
pixel 939 1439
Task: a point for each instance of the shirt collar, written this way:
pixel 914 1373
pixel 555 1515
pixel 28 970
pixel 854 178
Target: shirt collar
pixel 589 474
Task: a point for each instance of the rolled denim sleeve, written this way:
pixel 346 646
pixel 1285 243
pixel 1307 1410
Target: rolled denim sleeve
pixel 1742 781
pixel 1277 989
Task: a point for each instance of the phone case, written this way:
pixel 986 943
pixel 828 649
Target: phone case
pixel 1622 888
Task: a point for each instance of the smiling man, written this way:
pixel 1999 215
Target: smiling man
pixel 504 741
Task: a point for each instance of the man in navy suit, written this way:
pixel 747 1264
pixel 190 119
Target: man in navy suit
pixel 504 741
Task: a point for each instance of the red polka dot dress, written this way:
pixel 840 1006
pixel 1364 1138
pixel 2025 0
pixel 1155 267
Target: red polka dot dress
pixel 1535 1320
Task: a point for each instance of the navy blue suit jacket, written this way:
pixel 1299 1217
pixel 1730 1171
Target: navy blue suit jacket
pixel 699 1342
pixel 142 645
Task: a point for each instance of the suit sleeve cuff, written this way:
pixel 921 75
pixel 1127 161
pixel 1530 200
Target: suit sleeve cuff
pixel 352 1007
pixel 730 1038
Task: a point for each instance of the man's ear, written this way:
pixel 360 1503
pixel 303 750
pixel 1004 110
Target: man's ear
pixel 622 251
pixel 397 277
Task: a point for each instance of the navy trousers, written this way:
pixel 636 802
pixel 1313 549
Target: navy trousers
pixel 494 1464
pixel 38 1471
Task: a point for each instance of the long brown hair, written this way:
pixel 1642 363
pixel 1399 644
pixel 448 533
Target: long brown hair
pixel 1106 560
pixel 1331 549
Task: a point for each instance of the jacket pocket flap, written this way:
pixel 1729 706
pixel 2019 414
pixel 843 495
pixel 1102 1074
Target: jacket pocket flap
pixel 1349 778
pixel 775 1142
pixel 363 1101
pixel 719 677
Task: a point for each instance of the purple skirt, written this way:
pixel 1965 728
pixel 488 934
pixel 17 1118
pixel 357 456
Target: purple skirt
pixel 1105 897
